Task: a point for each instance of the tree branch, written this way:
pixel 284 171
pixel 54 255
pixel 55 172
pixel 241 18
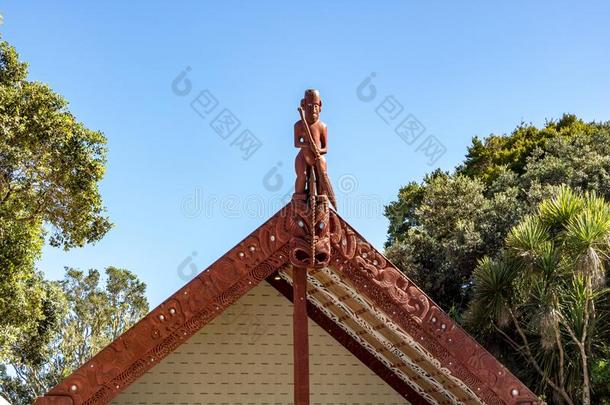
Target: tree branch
pixel 510 341
pixel 561 353
pixel 560 390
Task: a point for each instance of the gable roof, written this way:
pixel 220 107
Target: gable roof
pixel 361 299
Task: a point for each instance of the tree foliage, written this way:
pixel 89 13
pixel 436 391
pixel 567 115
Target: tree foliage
pixel 450 224
pixel 453 225
pixel 441 227
pixel 546 294
pixel 50 167
pixel 487 158
pixel 50 164
pixel 93 316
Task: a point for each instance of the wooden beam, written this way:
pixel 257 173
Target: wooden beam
pixel 300 336
pixel 368 359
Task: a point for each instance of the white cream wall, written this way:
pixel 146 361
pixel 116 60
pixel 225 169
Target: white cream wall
pixel 245 357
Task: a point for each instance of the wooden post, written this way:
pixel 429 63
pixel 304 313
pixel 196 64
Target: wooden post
pixel 300 336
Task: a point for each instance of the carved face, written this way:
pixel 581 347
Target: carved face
pixel 300 253
pixel 312 104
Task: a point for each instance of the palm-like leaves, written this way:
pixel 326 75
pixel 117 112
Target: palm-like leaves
pixel 549 280
pixel 527 238
pixel 587 236
pixel 558 210
pixel 494 281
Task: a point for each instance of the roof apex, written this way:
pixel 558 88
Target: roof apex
pixel 260 254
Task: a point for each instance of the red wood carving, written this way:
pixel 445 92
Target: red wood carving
pixel 252 260
pixel 410 308
pixel 54 400
pixel 307 234
pixel 179 317
pixel 310 243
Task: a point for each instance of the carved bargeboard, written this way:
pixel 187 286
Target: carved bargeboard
pixel 266 250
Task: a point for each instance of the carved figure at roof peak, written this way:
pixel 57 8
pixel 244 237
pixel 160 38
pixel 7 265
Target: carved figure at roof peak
pixel 311 137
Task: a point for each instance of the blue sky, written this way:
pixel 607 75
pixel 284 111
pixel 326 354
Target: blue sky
pixel 175 186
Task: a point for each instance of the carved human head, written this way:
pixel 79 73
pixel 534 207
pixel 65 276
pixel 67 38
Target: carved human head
pixel 312 104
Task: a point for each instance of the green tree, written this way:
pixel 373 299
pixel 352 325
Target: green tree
pixel 546 295
pixel 487 158
pixel 50 167
pixel 600 378
pixel 451 224
pixel 441 227
pixel 93 316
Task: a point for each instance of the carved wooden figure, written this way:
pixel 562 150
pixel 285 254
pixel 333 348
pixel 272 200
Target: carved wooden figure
pixel 311 136
pixel 310 245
